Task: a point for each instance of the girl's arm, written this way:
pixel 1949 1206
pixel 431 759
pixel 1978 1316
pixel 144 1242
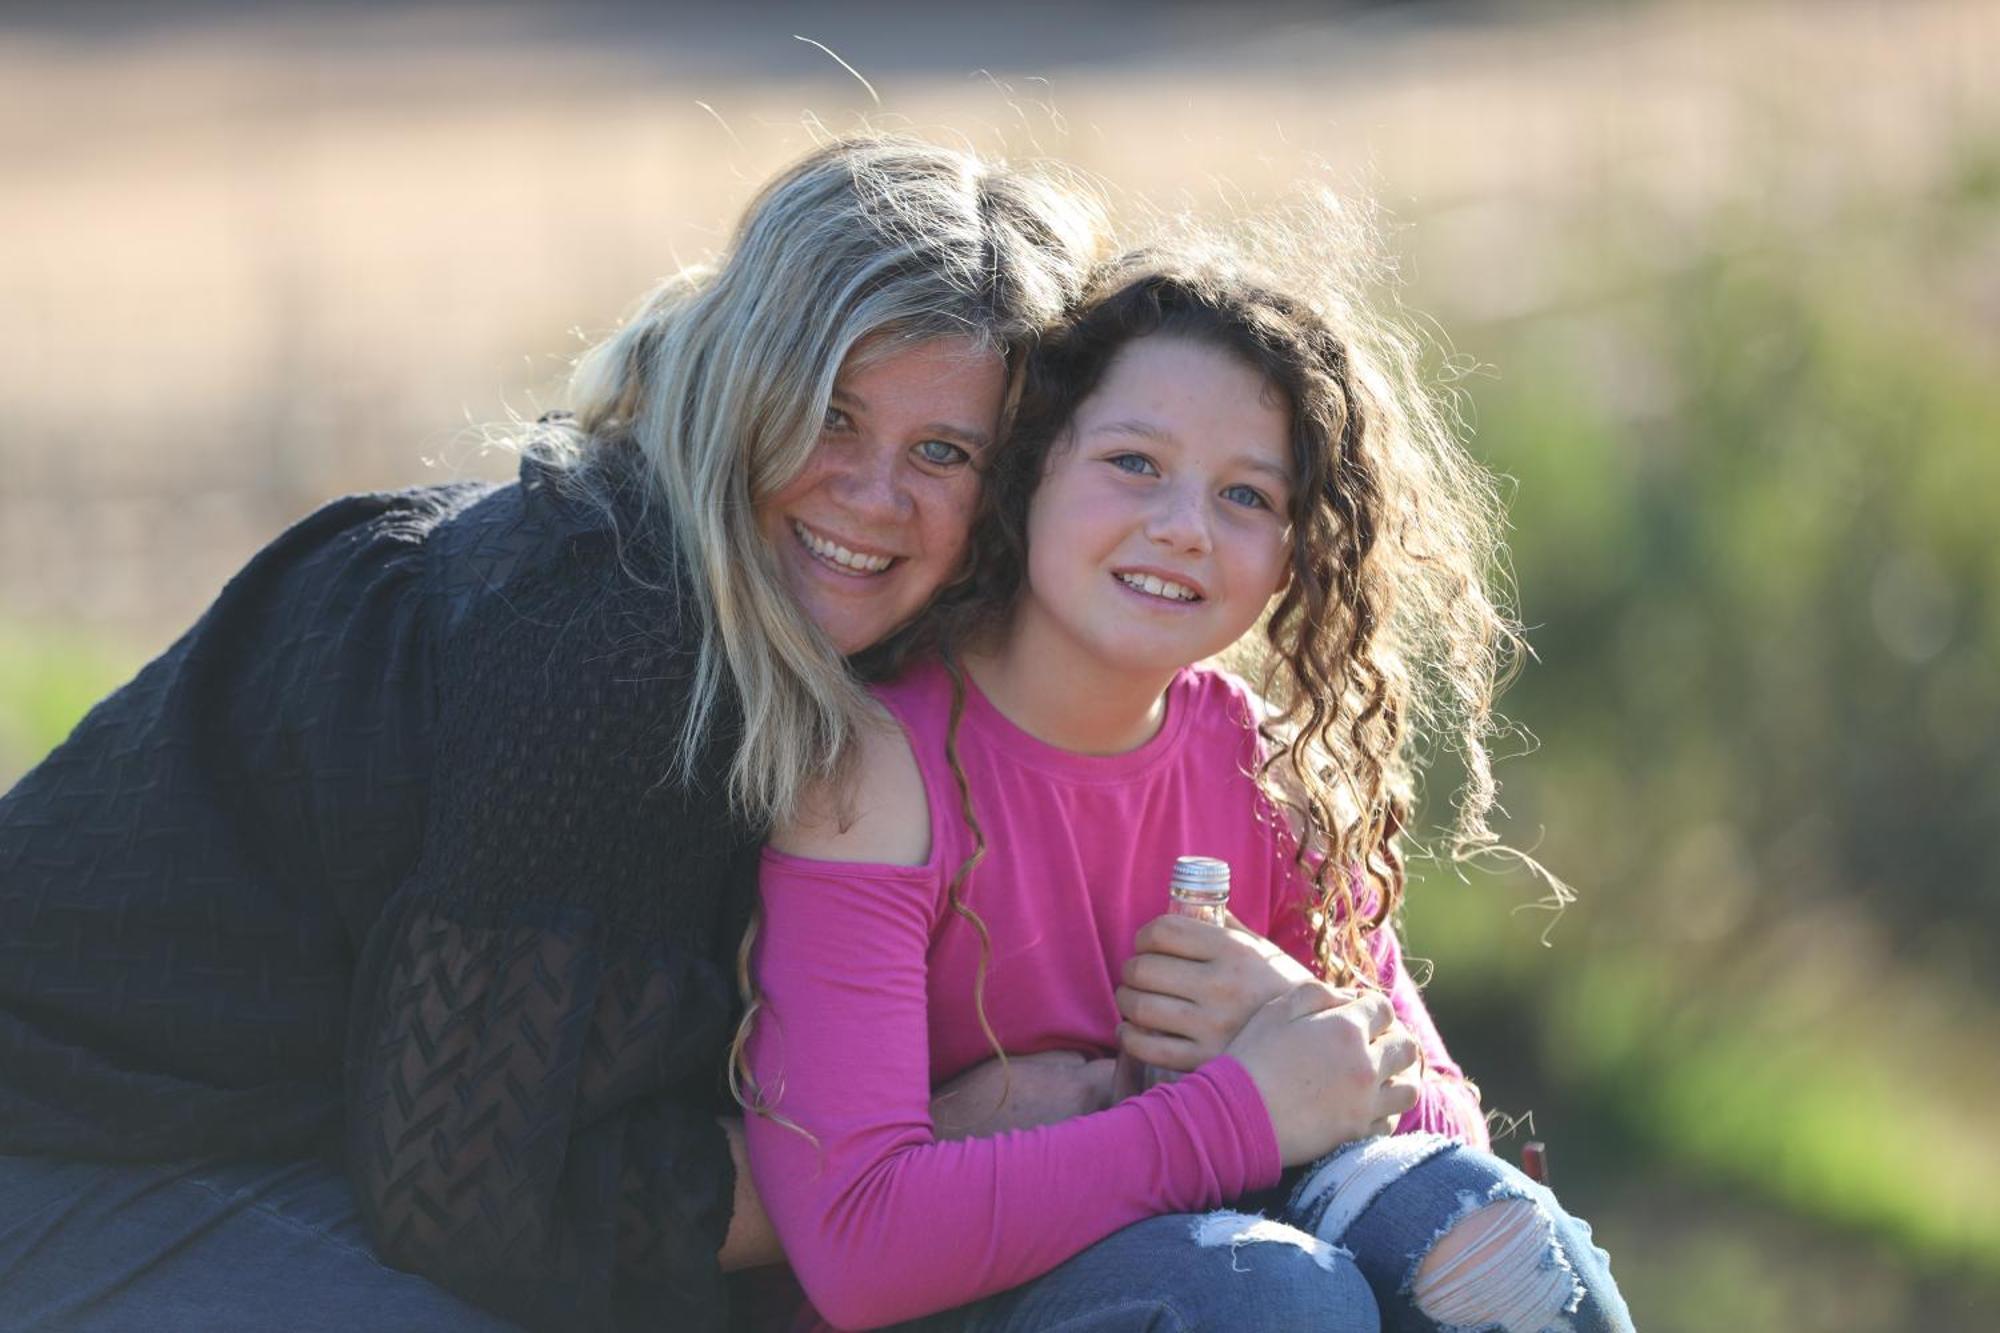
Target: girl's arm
pixel 1040 1088
pixel 882 1220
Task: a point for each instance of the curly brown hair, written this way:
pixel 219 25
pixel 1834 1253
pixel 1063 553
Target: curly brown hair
pixel 1391 624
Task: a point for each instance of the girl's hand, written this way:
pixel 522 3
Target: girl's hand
pixel 1331 1066
pixel 1040 1089
pixel 1190 987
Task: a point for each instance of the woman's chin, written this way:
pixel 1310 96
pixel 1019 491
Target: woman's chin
pixel 850 627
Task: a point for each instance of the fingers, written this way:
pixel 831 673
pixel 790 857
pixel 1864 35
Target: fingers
pixel 1396 1052
pixel 1400 1060
pixel 1160 1049
pixel 1162 1013
pixel 1309 998
pixel 1377 1011
pixel 1165 974
pixel 1127 1078
pixel 1181 937
pixel 1099 1085
pixel 1394 1101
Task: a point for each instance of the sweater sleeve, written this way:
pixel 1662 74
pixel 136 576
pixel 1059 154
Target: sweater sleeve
pixel 182 880
pixel 882 1222
pixel 539 1017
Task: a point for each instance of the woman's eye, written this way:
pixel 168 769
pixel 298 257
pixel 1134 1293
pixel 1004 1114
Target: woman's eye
pixel 835 419
pixel 942 453
pixel 1248 496
pixel 1137 464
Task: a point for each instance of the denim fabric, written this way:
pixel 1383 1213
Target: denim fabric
pixel 1425 1184
pixel 1339 1254
pixel 90 1247
pixel 1245 1272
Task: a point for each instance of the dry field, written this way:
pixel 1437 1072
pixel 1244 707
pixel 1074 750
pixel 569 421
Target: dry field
pixel 248 264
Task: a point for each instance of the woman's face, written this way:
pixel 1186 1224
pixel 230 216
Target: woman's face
pixel 878 520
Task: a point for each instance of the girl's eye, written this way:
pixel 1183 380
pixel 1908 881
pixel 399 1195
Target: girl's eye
pixel 942 453
pixel 1137 464
pixel 835 419
pixel 1248 496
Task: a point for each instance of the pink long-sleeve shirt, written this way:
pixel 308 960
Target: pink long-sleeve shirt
pixel 867 979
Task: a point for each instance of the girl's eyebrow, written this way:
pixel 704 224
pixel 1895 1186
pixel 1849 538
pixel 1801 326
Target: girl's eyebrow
pixel 1252 463
pixel 1147 430
pixel 978 439
pixel 1144 429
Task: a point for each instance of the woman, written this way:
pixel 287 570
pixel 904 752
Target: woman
pixel 425 855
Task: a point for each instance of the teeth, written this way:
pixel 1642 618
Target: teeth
pixel 1158 587
pixel 840 555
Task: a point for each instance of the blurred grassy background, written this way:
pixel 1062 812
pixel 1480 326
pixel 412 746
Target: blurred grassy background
pixel 1722 289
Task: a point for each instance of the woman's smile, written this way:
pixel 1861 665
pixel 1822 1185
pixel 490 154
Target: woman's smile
pixel 838 556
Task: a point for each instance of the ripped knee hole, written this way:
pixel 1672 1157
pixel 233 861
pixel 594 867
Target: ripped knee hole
pixel 1498 1265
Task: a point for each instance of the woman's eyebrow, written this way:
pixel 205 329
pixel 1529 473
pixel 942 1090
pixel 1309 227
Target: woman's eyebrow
pixel 978 439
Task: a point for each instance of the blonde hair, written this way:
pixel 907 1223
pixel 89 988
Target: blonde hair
pixel 721 382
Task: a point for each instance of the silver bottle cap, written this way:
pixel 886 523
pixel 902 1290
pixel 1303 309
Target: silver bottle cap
pixel 1200 879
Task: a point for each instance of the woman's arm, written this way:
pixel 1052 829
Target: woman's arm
pixel 529 1121
pixel 1040 1088
pixel 539 1013
pixel 751 1242
pixel 180 880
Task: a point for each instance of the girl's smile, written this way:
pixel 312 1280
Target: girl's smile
pixel 1161 587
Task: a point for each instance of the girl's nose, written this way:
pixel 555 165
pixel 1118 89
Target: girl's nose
pixel 1180 522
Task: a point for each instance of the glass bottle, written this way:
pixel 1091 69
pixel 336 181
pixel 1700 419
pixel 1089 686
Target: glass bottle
pixel 1199 888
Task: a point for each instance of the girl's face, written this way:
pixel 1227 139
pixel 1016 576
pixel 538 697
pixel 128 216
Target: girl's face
pixel 1159 532
pixel 878 520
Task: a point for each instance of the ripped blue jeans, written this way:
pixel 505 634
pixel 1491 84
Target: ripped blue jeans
pixel 1411 1234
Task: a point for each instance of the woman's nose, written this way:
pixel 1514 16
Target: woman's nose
pixel 867 481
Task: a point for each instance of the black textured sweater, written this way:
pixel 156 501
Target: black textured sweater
pixel 381 859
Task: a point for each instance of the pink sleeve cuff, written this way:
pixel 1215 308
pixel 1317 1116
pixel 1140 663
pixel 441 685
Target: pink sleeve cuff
pixel 1246 1112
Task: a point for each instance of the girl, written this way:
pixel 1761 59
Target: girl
pixel 1197 456
pixel 393 910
